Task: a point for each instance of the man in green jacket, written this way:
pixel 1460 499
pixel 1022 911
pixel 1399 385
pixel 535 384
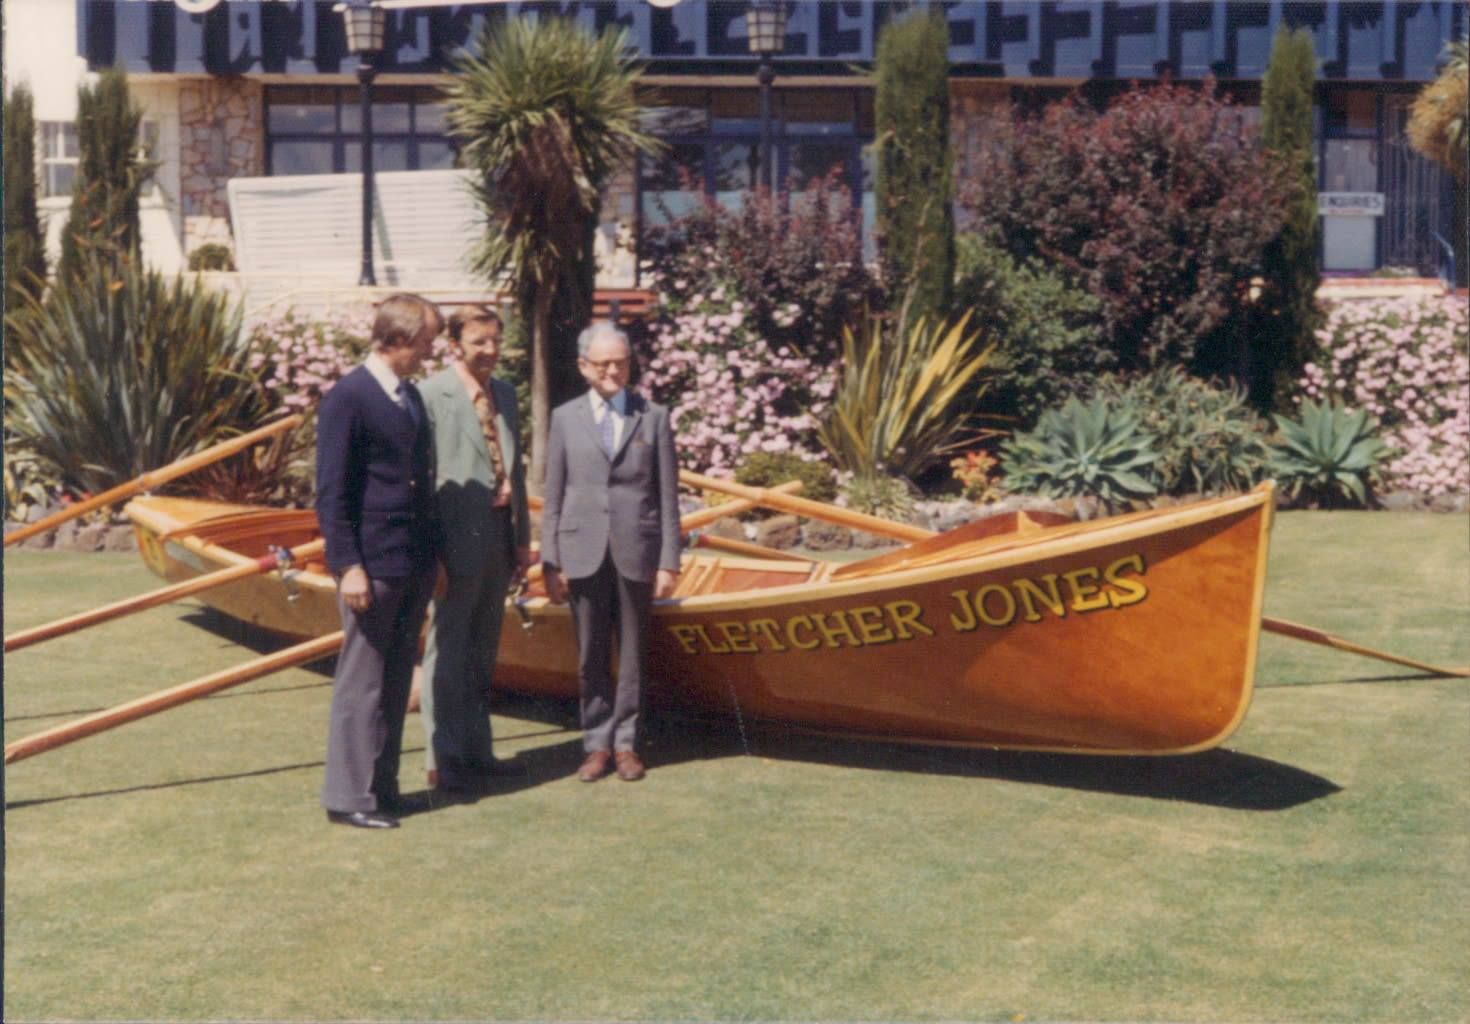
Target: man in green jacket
pixel 485 538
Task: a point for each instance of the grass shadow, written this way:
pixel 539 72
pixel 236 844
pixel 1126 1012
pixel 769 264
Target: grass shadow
pixel 252 638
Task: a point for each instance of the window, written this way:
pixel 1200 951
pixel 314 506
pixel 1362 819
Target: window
pixel 318 130
pixel 59 156
pixel 714 144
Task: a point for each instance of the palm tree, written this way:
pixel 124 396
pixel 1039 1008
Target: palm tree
pixel 548 114
pixel 1437 121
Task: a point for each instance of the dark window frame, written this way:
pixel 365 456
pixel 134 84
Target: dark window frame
pixel 343 140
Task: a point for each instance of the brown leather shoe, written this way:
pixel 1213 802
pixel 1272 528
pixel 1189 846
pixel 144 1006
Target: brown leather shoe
pixel 595 766
pixel 630 766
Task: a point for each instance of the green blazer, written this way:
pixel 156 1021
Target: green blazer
pixel 464 477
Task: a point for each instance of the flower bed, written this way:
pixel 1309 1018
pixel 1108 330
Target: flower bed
pixel 1405 361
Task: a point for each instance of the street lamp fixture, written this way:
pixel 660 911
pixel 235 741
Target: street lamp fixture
pixel 366 30
pixel 765 26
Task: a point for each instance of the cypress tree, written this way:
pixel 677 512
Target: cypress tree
pixel 25 248
pixel 104 204
pixel 915 176
pixel 1286 334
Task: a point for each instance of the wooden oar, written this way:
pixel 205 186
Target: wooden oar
pixel 49 739
pixel 742 547
pixel 773 498
pixel 72 623
pixel 1325 639
pixel 154 478
pixel 906 532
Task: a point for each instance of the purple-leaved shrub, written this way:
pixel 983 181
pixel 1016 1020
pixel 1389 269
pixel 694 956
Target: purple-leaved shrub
pixel 1405 361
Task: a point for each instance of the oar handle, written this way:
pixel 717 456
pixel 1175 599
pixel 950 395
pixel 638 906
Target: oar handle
pixel 1325 639
pixel 153 478
pixel 69 732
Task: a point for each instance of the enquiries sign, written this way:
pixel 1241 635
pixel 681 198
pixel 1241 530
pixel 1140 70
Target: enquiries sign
pixel 1350 204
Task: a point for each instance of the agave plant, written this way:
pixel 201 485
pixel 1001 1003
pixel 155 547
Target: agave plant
pixel 1097 449
pixel 119 372
pixel 905 402
pixel 1329 455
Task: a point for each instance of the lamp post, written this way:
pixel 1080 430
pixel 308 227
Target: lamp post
pixel 765 23
pixel 366 25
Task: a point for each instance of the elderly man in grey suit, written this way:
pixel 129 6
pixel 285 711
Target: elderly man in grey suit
pixel 610 540
pixel 484 541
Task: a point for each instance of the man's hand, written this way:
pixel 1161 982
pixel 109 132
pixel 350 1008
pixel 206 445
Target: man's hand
pixel 556 587
pixel 441 581
pixel 664 584
pixel 355 589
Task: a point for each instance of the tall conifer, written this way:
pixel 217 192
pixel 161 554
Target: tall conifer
pixel 1286 334
pixel 915 177
pixel 110 174
pixel 25 249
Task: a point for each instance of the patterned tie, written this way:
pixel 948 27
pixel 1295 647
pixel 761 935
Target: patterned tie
pixel 607 429
pixel 485 410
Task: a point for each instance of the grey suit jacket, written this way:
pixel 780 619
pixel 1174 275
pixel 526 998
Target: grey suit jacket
pixel 465 475
pixel 627 505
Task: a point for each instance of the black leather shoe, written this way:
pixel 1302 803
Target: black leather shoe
pixel 362 819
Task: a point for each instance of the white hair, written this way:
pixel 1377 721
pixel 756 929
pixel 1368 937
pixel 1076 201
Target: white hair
pixel 599 329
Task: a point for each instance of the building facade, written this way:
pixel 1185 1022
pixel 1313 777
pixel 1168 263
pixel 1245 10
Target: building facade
pixel 258 89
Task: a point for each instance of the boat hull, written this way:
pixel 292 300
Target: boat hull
pixel 1134 636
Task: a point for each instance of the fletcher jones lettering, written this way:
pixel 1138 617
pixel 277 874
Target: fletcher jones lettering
pixel 994 605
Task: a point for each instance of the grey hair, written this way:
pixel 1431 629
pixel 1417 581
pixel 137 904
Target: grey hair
pixel 599 329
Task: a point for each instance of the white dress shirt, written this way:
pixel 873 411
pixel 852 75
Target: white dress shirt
pixel 384 375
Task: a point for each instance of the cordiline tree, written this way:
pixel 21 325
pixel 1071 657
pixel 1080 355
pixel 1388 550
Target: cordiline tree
pixel 1160 207
pixel 548 115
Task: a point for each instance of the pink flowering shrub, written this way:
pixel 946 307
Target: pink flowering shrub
pixel 299 358
pixel 1405 361
pixel 731 392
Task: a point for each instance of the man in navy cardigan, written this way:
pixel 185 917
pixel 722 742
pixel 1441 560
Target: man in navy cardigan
pixel 374 503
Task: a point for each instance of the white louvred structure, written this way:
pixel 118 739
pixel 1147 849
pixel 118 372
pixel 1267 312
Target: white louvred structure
pixel 305 228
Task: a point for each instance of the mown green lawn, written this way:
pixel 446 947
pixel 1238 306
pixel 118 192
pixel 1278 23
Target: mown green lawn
pixel 1315 869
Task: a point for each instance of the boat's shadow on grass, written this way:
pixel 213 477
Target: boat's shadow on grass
pixel 1216 778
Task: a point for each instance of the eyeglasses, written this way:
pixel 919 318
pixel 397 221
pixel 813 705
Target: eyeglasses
pixel 604 365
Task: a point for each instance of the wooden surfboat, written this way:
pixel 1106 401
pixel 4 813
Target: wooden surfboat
pixel 1130 635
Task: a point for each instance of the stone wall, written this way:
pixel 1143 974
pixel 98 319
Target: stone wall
pixel 221 136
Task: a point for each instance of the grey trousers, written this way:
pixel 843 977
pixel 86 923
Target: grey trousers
pixel 370 694
pixel 459 663
pixel 604 604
